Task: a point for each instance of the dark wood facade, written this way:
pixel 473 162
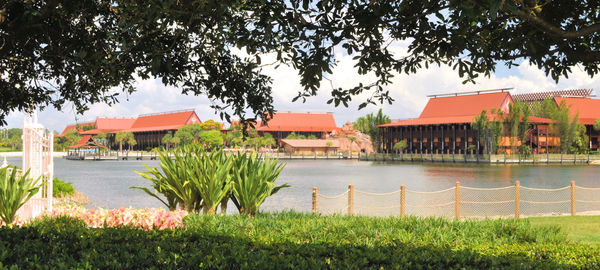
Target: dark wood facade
pixel 458 139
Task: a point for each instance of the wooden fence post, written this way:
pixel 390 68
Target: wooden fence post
pixel 457 200
pixel 402 200
pixel 517 199
pixel 350 199
pixel 315 200
pixel 573 198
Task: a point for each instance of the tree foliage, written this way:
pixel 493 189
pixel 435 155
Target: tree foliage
pixel 368 125
pixel 400 146
pixel 517 123
pixel 210 138
pixel 70 138
pixel 572 134
pixel 294 136
pixel 489 129
pixel 125 137
pixel 77 51
pixel 11 138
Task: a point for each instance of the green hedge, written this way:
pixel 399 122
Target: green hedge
pixel 291 240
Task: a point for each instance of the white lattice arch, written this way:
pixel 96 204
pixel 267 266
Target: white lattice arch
pixel 38 149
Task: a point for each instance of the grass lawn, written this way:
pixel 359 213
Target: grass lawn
pixel 583 229
pixel 7 149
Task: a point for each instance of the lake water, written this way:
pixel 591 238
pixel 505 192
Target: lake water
pixel 107 183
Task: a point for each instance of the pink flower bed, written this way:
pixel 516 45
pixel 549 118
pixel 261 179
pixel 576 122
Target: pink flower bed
pixel 18 222
pixel 148 218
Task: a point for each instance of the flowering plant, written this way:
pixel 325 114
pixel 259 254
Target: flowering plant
pixel 147 218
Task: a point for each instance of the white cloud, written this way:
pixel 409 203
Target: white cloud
pixel 409 92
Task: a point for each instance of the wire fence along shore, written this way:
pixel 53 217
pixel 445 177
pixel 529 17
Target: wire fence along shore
pixel 493 159
pixel 462 202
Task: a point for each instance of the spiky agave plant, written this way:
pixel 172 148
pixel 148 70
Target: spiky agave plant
pixel 15 190
pixel 254 180
pixel 174 180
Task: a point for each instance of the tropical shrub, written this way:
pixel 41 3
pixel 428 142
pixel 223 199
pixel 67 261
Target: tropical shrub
pixel 61 188
pixel 254 180
pixel 211 176
pixel 198 180
pixel 16 188
pixel 173 181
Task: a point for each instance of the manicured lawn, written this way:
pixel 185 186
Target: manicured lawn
pixel 584 229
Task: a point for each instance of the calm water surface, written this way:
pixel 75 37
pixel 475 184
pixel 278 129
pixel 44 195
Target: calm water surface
pixel 107 183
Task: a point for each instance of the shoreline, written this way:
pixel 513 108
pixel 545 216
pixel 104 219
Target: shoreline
pixel 20 154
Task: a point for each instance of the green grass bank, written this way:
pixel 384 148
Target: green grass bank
pixel 299 241
pixel 582 229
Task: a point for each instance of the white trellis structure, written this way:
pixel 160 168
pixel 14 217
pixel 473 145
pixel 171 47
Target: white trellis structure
pixel 38 151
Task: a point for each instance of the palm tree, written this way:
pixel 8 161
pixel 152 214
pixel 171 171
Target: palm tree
pixel 121 137
pixel 131 140
pixel 368 125
pixel 167 140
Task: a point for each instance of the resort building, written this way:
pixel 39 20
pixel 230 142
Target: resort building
pixel 581 104
pixel 76 127
pixel 444 126
pixel 588 111
pixel 147 129
pixel 310 147
pixel 301 123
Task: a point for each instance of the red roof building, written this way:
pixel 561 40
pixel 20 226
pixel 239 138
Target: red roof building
pixel 164 121
pixel 87 142
pixel 444 126
pixel 109 125
pixel 587 108
pixel 148 129
pixel 457 109
pixel 74 127
pixel 299 122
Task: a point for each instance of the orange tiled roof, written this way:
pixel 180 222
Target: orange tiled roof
pixel 464 105
pixel 588 108
pixel 89 141
pixel 164 121
pixel 461 109
pixel 310 143
pixel 107 125
pixel 298 122
pixel 72 127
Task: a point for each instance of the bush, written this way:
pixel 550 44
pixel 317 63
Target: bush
pixel 292 240
pixel 16 188
pixel 61 188
pixel 195 179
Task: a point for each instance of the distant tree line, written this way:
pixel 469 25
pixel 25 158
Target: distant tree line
pixel 10 138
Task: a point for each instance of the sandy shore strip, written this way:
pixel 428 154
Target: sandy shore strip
pixel 20 154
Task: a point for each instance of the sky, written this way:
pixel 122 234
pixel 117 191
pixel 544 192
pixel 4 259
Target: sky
pixel 409 92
